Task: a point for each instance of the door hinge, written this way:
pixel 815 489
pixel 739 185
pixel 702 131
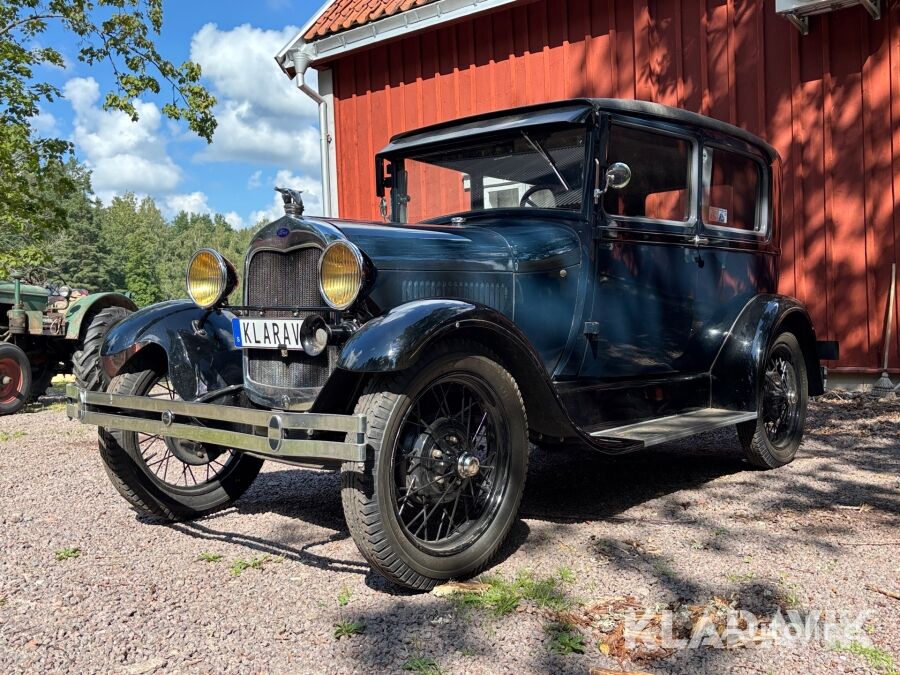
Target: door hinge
pixel 592 328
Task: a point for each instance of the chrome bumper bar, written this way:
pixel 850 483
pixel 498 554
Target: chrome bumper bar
pixel 280 435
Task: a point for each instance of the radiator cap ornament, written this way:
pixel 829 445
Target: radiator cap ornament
pixel 293 201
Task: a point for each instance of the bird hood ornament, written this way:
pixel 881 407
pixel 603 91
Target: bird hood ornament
pixel 293 201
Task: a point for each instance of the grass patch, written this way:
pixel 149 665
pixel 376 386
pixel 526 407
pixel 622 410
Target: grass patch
pixel 564 640
pixel 67 553
pixel 566 574
pixel 743 576
pixel 877 658
pixel 6 436
pixel 343 597
pixel 503 597
pixel 241 565
pixel 344 629
pixel 664 569
pixel 206 556
pixel 789 595
pixel 422 664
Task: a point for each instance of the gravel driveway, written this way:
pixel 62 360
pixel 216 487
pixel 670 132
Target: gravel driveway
pixel 87 586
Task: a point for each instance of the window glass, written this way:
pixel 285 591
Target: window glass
pixel 660 175
pixel 731 190
pixel 531 169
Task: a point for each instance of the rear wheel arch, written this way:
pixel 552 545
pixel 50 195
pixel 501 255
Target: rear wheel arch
pixel 797 322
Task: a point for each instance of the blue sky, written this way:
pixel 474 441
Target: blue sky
pixel 267 130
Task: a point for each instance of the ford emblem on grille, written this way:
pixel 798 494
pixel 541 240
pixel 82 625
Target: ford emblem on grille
pixel 283 232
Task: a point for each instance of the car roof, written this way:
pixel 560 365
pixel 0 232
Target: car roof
pixel 571 111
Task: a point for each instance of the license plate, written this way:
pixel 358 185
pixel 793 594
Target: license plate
pixel 267 333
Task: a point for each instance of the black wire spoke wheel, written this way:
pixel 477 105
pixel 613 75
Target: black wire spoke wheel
pixel 450 464
pixel 781 397
pixel 177 463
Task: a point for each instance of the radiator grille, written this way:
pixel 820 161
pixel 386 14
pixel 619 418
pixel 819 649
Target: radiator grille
pixel 290 279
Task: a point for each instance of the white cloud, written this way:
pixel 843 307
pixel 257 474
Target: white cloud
pixel 255 180
pixel 45 124
pixel 191 202
pixel 262 116
pixel 122 155
pixel 233 219
pixel 312 197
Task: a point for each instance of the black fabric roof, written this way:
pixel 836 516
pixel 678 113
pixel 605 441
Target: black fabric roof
pixel 569 111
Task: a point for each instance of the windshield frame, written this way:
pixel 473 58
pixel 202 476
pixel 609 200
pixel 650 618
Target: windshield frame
pixel 391 174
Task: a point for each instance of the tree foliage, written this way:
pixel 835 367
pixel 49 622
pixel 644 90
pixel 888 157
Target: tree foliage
pixel 118 33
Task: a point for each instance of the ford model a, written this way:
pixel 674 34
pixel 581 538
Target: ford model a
pixel 607 277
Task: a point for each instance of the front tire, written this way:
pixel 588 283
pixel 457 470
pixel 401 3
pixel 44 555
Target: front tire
pixel 166 478
pixel 450 456
pixel 773 438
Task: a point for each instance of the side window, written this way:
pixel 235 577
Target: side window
pixel 731 190
pixel 660 175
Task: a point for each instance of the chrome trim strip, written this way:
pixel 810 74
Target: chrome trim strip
pixel 270 441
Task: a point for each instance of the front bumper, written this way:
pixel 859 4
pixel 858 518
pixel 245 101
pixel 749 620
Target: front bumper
pixel 272 434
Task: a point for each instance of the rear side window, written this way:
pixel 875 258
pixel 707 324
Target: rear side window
pixel 731 190
pixel 660 175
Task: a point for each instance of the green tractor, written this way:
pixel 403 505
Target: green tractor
pixel 49 330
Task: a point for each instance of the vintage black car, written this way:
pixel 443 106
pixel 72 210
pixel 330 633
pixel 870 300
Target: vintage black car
pixel 609 279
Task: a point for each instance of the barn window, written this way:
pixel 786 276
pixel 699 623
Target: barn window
pixel 660 169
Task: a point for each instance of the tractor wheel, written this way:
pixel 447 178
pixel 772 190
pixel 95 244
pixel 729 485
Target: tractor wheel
pixel 86 361
pixel 15 378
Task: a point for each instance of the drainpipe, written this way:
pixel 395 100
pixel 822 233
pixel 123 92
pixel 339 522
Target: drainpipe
pixel 301 65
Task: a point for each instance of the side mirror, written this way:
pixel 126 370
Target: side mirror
pixel 618 176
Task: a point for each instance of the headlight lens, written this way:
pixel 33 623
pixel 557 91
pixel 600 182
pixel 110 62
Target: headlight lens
pixel 210 278
pixel 341 274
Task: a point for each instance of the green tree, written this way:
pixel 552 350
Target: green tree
pixel 119 33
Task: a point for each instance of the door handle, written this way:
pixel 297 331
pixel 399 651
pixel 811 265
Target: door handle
pixel 700 241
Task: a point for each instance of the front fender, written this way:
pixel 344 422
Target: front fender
pixel 395 340
pixel 90 304
pixel 738 368
pixel 198 345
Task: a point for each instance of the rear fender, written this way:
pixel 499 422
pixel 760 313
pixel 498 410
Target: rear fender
pixel 198 346
pixel 738 368
pixel 78 313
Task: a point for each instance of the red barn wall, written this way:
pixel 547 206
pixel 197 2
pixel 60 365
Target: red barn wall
pixel 829 102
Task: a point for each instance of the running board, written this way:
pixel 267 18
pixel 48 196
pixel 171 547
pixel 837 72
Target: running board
pixel 663 429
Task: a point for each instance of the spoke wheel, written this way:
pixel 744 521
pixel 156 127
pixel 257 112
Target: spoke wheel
pixel 176 463
pixel 448 442
pixel 165 477
pixel 772 440
pixel 781 397
pixel 450 464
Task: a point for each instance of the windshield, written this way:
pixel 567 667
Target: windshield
pixel 529 169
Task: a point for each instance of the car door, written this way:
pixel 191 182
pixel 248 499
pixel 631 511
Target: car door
pixel 735 247
pixel 640 318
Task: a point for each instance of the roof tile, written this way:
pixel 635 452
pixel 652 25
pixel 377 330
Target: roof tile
pixel 345 14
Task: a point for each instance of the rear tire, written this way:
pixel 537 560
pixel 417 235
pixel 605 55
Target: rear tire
pixel 426 458
pixel 134 471
pixel 773 438
pixel 86 361
pixel 15 378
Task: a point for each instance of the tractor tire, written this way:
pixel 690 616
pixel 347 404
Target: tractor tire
pixel 86 361
pixel 41 376
pixel 15 378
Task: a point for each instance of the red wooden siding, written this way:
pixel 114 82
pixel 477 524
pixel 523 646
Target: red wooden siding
pixel 830 103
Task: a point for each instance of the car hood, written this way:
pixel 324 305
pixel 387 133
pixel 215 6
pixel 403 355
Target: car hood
pixel 488 244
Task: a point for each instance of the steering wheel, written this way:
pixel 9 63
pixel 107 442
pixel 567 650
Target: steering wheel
pixel 526 201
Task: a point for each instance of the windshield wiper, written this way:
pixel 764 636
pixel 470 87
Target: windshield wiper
pixel 547 158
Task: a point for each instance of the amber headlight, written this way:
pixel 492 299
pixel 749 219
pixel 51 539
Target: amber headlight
pixel 341 274
pixel 210 278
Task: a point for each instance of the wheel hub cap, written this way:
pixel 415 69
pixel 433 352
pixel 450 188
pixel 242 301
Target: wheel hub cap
pixel 468 466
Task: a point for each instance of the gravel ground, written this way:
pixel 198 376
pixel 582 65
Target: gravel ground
pixel 685 523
